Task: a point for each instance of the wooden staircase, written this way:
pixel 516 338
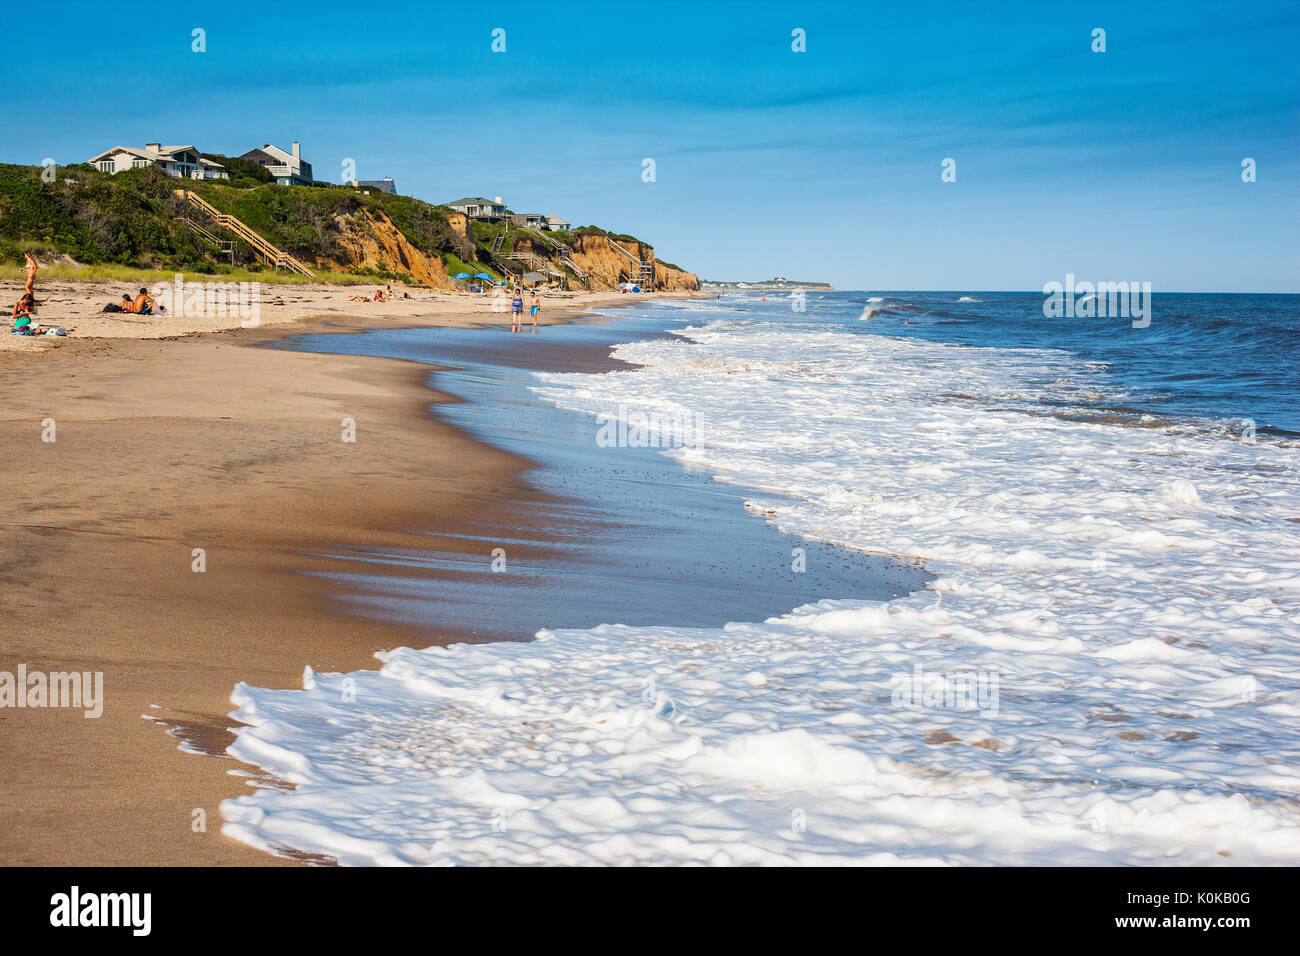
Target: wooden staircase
pixel 227 246
pixel 562 253
pixel 269 253
pixel 639 271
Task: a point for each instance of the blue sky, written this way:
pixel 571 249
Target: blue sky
pixel 818 165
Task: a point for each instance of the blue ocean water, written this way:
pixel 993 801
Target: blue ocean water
pixel 1210 359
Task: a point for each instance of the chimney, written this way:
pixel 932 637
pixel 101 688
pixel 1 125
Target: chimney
pixel 297 153
pixel 152 147
pixel 498 201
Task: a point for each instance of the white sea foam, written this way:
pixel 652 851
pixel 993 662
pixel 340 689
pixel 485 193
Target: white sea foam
pixel 1126 599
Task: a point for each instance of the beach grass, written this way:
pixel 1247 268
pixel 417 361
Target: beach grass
pixel 130 275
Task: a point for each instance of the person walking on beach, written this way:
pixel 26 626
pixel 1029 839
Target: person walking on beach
pixel 517 311
pixel 30 287
pixel 534 306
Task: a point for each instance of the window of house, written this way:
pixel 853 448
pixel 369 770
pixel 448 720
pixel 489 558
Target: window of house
pixel 105 165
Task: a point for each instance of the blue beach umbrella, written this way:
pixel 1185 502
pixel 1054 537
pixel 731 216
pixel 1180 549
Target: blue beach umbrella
pixel 483 275
pixel 461 275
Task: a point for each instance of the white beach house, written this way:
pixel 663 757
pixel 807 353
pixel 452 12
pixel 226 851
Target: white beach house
pixel 183 162
pixel 287 166
pixel 556 224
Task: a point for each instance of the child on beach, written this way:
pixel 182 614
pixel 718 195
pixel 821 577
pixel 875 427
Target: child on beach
pixel 517 311
pixel 534 305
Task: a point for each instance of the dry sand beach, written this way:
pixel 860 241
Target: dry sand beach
pixel 177 435
pixel 77 307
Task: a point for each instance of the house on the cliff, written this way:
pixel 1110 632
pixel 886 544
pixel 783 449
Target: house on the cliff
pixel 556 224
pixel 183 162
pixel 529 220
pixel 385 185
pixel 288 167
pixel 476 207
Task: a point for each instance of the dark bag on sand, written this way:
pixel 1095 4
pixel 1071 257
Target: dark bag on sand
pixel 112 307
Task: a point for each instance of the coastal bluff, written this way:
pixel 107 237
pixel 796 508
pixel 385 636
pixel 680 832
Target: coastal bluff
pixel 143 219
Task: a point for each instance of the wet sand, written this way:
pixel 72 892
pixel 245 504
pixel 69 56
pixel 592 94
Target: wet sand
pixel 163 447
pixel 613 535
pixel 204 442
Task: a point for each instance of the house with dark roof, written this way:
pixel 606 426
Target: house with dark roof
pixel 385 185
pixel 476 207
pixel 287 166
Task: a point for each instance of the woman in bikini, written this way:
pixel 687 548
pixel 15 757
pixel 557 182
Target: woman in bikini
pixel 30 288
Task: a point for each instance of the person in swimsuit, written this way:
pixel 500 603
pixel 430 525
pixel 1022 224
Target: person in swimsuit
pixel 534 305
pixel 30 287
pixel 126 303
pixel 25 306
pixel 143 304
pixel 517 311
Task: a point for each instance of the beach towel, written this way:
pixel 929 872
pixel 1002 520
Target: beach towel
pixel 112 307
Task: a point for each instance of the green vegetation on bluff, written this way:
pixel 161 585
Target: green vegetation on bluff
pixel 130 222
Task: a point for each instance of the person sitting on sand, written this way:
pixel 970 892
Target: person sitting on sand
pixel 30 287
pixel 380 296
pixel 127 305
pixel 143 304
pixel 22 312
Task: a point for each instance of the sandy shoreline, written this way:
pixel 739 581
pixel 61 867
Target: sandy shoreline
pixel 77 308
pixel 163 447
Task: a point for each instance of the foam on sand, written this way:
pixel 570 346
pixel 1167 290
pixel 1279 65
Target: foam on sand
pixel 1109 672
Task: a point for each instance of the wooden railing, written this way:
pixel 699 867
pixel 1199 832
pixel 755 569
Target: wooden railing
pixel 267 250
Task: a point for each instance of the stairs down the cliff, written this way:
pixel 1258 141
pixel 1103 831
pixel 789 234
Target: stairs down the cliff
pixel 267 250
pixel 639 271
pixel 227 246
pixel 563 254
